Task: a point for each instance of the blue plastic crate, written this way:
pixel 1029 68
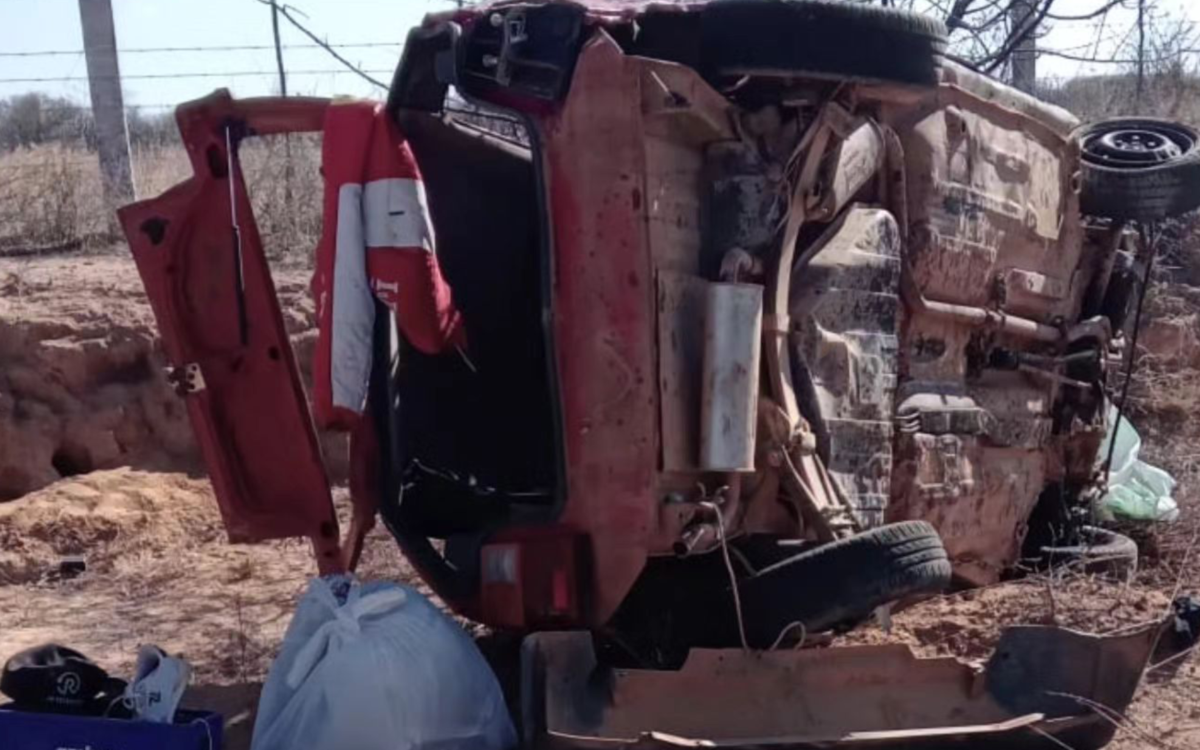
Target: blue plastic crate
pixel 192 730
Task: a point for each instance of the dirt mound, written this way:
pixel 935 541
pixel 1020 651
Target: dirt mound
pixel 968 624
pixel 159 571
pixel 81 371
pixel 103 517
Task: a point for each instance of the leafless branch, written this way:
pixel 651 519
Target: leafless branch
pixel 1110 60
pixel 1086 16
pixel 1024 28
pixel 957 12
pixel 1116 718
pixel 287 10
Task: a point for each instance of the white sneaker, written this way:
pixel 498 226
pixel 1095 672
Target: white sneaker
pixel 158 685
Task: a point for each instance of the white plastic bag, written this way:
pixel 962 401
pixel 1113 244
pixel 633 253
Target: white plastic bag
pixel 1137 491
pixel 384 670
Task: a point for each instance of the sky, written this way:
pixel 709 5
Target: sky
pixel 53 25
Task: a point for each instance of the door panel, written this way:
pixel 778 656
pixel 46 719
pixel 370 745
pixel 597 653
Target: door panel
pixel 219 318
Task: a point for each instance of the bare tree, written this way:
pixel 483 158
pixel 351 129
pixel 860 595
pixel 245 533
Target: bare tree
pixel 1165 74
pixel 1008 37
pixel 31 119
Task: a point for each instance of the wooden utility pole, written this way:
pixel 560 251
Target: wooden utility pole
pixel 1024 54
pixel 108 106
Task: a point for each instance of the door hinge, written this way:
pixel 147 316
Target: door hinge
pixel 186 379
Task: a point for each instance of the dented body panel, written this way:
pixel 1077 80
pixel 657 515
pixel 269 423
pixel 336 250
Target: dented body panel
pixel 223 333
pixel 1037 684
pixel 993 223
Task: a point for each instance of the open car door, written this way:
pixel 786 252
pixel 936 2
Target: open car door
pixel 201 259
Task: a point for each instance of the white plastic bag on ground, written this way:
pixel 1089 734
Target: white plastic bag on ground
pixel 385 670
pixel 1137 491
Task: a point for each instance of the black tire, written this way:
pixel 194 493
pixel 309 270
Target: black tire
pixel 1099 551
pixel 1138 168
pixel 842 582
pixel 822 39
pixel 678 604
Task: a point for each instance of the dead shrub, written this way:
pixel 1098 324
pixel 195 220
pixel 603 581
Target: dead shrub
pixel 51 197
pixel 283 178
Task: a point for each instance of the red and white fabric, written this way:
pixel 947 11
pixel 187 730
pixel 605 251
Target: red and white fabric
pixel 377 243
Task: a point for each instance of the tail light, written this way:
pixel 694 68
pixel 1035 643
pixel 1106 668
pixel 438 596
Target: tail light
pixel 533 579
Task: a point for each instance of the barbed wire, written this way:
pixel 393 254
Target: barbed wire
pixel 286 11
pixel 215 48
pixel 85 108
pixel 197 74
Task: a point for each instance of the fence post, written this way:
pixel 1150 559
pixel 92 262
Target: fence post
pixel 108 107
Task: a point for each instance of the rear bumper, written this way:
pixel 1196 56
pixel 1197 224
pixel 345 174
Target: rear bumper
pixel 1035 691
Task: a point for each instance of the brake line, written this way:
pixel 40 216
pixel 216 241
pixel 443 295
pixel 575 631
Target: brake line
pixel 1129 365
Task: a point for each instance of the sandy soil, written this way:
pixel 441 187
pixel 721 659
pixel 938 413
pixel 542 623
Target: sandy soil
pixel 968 624
pixel 1165 712
pixel 158 571
pixel 81 370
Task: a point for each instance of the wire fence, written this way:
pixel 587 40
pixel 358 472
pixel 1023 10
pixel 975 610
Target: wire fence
pixel 51 193
pixel 123 51
pixel 51 189
pixel 191 74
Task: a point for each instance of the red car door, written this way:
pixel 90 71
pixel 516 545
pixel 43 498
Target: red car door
pixel 201 259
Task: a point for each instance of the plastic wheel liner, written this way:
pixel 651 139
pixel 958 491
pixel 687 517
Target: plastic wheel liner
pixel 1035 691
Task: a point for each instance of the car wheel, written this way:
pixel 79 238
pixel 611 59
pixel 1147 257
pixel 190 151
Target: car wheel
pixel 822 39
pixel 843 582
pixel 1099 551
pixel 1139 169
pixel 679 604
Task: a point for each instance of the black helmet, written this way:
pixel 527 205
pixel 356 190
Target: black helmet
pixel 57 679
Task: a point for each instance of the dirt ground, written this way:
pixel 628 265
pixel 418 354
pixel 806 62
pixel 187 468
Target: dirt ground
pixel 158 568
pixel 158 571
pixel 99 455
pixel 81 370
pixel 967 625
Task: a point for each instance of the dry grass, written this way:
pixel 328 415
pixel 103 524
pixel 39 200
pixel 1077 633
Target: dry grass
pixel 51 196
pixel 1170 93
pixel 1164 399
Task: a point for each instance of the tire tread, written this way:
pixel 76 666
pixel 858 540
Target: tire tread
pixel 879 44
pixel 844 580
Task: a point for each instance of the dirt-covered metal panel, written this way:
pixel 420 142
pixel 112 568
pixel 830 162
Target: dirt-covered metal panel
pixel 845 307
pixel 994 225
